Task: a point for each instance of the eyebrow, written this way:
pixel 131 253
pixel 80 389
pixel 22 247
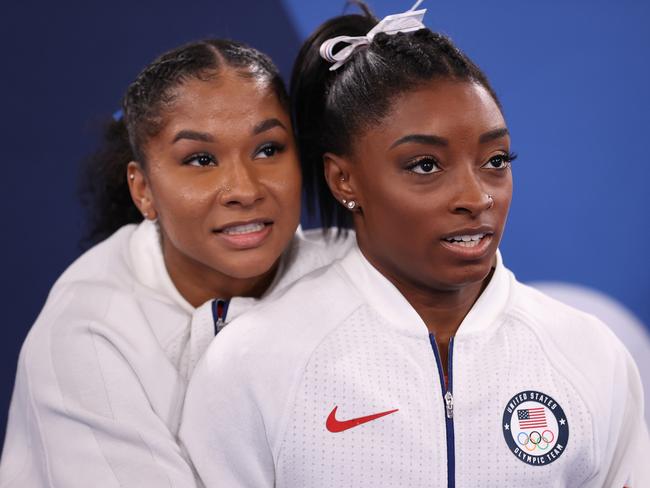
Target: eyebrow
pixel 193 135
pixel 421 139
pixel 267 125
pixel 493 134
pixel 441 141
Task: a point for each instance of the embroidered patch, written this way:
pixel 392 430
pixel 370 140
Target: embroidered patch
pixel 535 428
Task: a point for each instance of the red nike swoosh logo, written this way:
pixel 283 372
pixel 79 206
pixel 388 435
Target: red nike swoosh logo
pixel 334 425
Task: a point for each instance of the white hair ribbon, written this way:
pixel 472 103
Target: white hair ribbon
pixel 408 21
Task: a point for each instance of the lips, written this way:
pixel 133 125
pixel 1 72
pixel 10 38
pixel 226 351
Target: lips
pixel 237 230
pixel 466 240
pixel 245 235
pixel 469 243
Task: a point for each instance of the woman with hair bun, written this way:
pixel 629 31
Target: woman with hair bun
pixel 418 359
pixel 197 193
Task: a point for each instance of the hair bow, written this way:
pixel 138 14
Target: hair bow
pixel 408 21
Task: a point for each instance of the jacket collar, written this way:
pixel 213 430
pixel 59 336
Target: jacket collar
pixel 386 299
pixel 148 264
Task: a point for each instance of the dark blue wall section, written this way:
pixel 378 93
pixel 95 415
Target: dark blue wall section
pixel 65 67
pixel 573 78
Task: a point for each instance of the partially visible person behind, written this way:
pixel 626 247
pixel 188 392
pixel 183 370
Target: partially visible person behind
pixel 197 193
pixel 417 360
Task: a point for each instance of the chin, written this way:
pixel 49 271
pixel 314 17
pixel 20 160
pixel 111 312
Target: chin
pixel 461 276
pixel 248 267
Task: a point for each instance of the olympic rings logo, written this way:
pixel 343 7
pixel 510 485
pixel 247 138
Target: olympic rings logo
pixel 535 440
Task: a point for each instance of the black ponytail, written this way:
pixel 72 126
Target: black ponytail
pixel 104 190
pixel 331 108
pixel 310 80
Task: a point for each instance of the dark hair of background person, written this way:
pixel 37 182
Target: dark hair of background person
pixel 104 189
pixel 330 108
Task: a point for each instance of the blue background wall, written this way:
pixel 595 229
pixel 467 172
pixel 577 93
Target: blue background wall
pixel 572 76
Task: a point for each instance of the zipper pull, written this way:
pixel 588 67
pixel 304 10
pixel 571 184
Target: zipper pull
pixel 219 311
pixel 449 405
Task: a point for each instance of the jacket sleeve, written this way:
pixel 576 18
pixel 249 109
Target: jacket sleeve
pixel 80 416
pixel 629 464
pixel 222 427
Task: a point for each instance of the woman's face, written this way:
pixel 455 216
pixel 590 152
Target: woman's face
pixel 222 177
pixel 434 185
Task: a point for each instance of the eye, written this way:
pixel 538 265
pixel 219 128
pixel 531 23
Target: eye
pixel 268 150
pixel 425 165
pixel 200 159
pixel 500 161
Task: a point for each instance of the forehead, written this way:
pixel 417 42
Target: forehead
pixel 449 109
pixel 227 100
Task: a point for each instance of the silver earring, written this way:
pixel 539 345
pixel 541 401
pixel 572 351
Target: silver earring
pixel 491 201
pixel 351 204
pixel 132 177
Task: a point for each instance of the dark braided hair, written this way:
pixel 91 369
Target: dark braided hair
pixel 104 188
pixel 331 108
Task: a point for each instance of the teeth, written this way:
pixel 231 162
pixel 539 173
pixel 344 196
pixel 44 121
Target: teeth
pixel 466 240
pixel 467 243
pixel 243 229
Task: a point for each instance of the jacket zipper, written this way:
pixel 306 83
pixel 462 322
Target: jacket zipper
pixel 448 398
pixel 219 312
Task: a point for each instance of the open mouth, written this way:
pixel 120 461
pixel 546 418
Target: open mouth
pixel 245 235
pixel 238 230
pixel 468 240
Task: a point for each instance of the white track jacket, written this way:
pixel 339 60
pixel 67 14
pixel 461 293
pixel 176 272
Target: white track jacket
pixel 338 384
pixel 102 374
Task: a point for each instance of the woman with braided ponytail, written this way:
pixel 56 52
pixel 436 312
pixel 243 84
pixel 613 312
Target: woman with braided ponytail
pixel 197 193
pixel 418 360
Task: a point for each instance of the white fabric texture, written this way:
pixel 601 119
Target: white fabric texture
pixel 256 407
pixel 101 376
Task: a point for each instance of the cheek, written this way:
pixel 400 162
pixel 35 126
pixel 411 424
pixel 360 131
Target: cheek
pixel 181 203
pixel 503 197
pixel 399 217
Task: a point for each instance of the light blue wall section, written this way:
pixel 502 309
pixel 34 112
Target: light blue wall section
pixel 574 79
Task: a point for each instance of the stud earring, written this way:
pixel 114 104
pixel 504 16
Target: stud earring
pixel 132 177
pixel 351 204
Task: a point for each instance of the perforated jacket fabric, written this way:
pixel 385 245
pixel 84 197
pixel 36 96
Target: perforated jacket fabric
pixel 337 383
pixel 101 376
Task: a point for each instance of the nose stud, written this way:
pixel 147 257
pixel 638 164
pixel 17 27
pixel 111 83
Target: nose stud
pixel 491 201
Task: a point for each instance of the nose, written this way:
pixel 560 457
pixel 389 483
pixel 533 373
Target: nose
pixel 241 186
pixel 469 195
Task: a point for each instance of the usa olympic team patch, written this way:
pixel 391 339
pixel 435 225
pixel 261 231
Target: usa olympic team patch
pixel 535 428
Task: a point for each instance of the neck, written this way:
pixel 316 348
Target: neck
pixel 198 283
pixel 442 309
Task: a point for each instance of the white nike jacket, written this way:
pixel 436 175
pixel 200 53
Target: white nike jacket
pixel 338 384
pixel 101 377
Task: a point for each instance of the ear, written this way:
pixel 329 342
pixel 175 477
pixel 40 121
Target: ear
pixel 340 179
pixel 140 190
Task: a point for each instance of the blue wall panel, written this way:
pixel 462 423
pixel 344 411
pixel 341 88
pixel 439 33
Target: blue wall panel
pixel 572 76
